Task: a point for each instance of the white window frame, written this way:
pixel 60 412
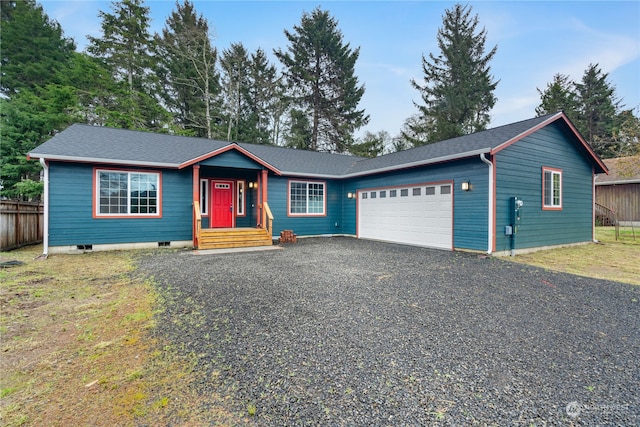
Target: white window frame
pixel 309 186
pixel 551 194
pixel 129 173
pixel 204 197
pixel 241 198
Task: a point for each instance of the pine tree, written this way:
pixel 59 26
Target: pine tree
pixel 300 133
pixel 626 136
pixel 597 106
pixel 592 106
pixel 37 98
pixel 559 95
pixel 125 47
pixel 264 93
pixel 320 68
pixel 371 144
pixel 235 64
pixel 458 86
pixel 34 49
pixel 188 79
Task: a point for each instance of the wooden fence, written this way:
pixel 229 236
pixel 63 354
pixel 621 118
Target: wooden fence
pixel 21 223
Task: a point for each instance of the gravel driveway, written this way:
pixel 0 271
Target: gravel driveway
pixel 347 332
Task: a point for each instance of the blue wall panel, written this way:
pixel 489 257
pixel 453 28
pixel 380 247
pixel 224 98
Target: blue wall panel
pixel 71 219
pixel 470 207
pixel 231 159
pixel 519 173
pixel 331 223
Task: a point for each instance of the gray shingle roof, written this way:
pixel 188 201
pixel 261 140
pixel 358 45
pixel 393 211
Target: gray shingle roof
pixel 303 162
pixel 459 147
pixel 120 146
pixel 107 145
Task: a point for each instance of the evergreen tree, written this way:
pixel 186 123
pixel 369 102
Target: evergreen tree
pixel 458 86
pixel 37 98
pixel 125 48
pixel 300 132
pixel 94 89
pixel 371 144
pixel 188 79
pixel 597 107
pixel 264 92
pixel 235 64
pixel 592 106
pixel 320 69
pixel 626 136
pixel 34 50
pixel 559 95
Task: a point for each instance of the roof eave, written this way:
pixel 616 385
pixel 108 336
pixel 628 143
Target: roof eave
pixel 419 163
pixel 232 146
pixel 78 159
pixel 619 182
pixel 551 119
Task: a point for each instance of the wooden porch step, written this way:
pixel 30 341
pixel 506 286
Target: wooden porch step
pixel 223 238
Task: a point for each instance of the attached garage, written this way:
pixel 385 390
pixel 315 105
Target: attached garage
pixel 419 214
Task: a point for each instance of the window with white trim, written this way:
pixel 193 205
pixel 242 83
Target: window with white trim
pixel 127 193
pixel 204 196
pixel 241 198
pixel 306 198
pixel 552 188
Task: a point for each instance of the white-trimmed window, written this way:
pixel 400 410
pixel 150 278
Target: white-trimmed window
pixel 306 198
pixel 204 196
pixel 551 188
pixel 127 193
pixel 241 198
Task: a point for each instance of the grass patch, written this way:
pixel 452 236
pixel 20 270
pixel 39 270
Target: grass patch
pixel 77 350
pixel 609 259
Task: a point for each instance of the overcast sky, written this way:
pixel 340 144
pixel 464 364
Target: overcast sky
pixel 535 41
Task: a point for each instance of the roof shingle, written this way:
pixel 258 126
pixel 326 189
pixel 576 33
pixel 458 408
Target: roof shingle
pixel 107 145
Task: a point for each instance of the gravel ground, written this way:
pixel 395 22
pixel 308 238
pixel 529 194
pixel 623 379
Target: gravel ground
pixel 346 332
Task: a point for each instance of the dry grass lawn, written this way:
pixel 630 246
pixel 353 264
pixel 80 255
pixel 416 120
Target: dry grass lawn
pixel 610 259
pixel 76 350
pixel 76 347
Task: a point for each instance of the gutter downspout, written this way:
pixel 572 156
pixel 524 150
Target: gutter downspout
pixel 491 205
pixel 45 220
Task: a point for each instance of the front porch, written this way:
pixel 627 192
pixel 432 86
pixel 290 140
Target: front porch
pixel 242 237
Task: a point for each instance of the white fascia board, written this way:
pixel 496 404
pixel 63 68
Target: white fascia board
pixel 98 160
pixel 626 181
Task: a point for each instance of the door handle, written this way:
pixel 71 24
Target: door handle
pixel 231 208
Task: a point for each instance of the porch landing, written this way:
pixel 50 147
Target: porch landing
pixel 224 238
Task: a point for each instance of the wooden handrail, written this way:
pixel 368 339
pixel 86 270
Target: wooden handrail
pixel 198 222
pixel 269 217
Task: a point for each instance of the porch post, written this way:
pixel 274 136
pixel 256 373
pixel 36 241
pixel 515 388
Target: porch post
pixel 196 196
pixel 263 190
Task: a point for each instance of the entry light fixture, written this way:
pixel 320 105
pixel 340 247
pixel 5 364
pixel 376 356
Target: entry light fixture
pixel 466 185
pixel 350 195
pixel 253 185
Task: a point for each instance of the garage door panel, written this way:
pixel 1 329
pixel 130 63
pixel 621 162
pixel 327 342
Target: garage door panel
pixel 423 217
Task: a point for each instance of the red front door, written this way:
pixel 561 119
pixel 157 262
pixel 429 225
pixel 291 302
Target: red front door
pixel 221 204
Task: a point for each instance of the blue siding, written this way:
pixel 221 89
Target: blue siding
pixel 519 173
pixel 231 159
pixel 470 207
pixel 71 219
pixel 311 225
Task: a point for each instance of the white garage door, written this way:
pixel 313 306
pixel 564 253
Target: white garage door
pixel 420 215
